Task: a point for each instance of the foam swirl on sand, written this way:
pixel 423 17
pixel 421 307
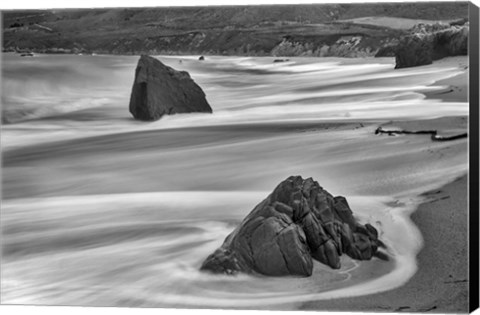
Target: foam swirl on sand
pixel 151 251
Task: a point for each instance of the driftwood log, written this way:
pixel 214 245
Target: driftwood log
pixel 433 134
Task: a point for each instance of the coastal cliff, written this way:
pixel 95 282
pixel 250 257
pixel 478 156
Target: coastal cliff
pixel 343 30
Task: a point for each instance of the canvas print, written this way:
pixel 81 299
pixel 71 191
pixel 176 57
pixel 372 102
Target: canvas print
pixel 279 157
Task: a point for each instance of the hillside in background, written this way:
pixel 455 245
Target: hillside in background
pixel 348 30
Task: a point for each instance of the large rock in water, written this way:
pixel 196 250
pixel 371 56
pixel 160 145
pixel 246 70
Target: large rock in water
pixel 299 221
pixel 160 90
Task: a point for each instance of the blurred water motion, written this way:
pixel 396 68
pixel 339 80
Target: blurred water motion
pixel 99 209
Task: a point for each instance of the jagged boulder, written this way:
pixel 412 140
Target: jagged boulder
pixel 161 90
pixel 298 222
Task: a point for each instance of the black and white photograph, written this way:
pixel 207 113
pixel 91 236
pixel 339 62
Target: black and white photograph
pixel 286 157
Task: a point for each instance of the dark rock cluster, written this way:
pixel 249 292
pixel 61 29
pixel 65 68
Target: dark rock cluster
pixel 298 222
pixel 160 90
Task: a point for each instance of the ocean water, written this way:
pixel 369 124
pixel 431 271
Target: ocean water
pixel 99 209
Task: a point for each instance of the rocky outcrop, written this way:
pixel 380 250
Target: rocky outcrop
pixel 427 43
pixel 452 41
pixel 342 46
pixel 298 222
pixel 388 49
pixel 414 50
pixel 160 90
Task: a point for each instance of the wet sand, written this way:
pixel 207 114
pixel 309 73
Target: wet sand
pixel 441 282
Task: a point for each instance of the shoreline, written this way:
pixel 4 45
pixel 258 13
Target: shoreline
pixel 441 282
